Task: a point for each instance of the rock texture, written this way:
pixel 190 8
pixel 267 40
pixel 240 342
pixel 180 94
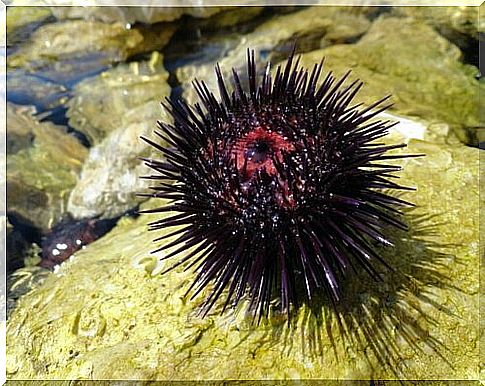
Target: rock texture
pixel 420 68
pixel 308 25
pixel 86 41
pixel 43 164
pixel 108 313
pixel 125 15
pixel 114 110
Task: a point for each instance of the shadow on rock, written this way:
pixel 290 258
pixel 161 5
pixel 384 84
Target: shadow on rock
pixel 388 321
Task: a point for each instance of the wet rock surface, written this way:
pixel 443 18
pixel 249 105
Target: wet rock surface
pixel 21 21
pixel 451 21
pixel 272 39
pixel 424 76
pixel 114 110
pixel 41 170
pixel 118 97
pixel 67 52
pixel 125 15
pixel 21 282
pixel 43 94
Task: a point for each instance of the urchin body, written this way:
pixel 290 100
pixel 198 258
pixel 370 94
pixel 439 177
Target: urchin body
pixel 277 187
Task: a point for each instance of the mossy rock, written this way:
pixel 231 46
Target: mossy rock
pixel 114 109
pixel 87 40
pixel 421 70
pixel 109 314
pixel 42 172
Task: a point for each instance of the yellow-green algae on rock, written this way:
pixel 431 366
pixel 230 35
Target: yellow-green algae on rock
pixel 43 164
pixel 421 69
pixel 108 314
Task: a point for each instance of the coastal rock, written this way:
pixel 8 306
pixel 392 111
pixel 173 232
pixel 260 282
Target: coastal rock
pixel 21 282
pixel 216 17
pixel 229 17
pixel 448 20
pixel 41 170
pixel 114 110
pixel 275 36
pixel 92 43
pixel 426 78
pixel 18 17
pixel 117 98
pixel 108 313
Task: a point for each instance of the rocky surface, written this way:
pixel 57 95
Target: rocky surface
pixel 114 110
pixel 43 164
pixel 21 282
pixel 311 27
pixel 108 313
pixel 421 69
pixel 448 20
pixel 41 93
pixel 21 21
pixel 93 42
pixel 118 97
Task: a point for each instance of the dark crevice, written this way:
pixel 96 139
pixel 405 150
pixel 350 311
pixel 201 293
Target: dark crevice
pixel 466 43
pixel 29 232
pixel 58 116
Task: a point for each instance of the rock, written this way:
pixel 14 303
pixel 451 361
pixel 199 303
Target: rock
pixel 108 313
pixel 42 170
pixel 114 110
pixel 54 42
pixel 229 17
pixel 130 15
pixel 421 70
pixel 117 98
pixel 21 21
pixel 21 282
pixel 462 20
pixel 460 25
pixel 278 34
pixel 61 48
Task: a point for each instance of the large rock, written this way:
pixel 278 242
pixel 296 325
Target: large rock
pixel 114 110
pixel 420 68
pixel 309 25
pixel 117 98
pixel 75 44
pixel 21 282
pixel 43 165
pixel 108 314
pixel 448 20
pixel 18 17
pixel 209 17
pixel 21 21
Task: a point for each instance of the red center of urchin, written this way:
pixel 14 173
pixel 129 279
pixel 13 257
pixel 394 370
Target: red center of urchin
pixel 257 149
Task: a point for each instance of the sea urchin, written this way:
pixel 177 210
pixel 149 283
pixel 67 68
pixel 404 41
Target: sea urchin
pixel 277 186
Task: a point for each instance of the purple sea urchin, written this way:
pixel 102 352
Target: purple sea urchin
pixel 277 186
